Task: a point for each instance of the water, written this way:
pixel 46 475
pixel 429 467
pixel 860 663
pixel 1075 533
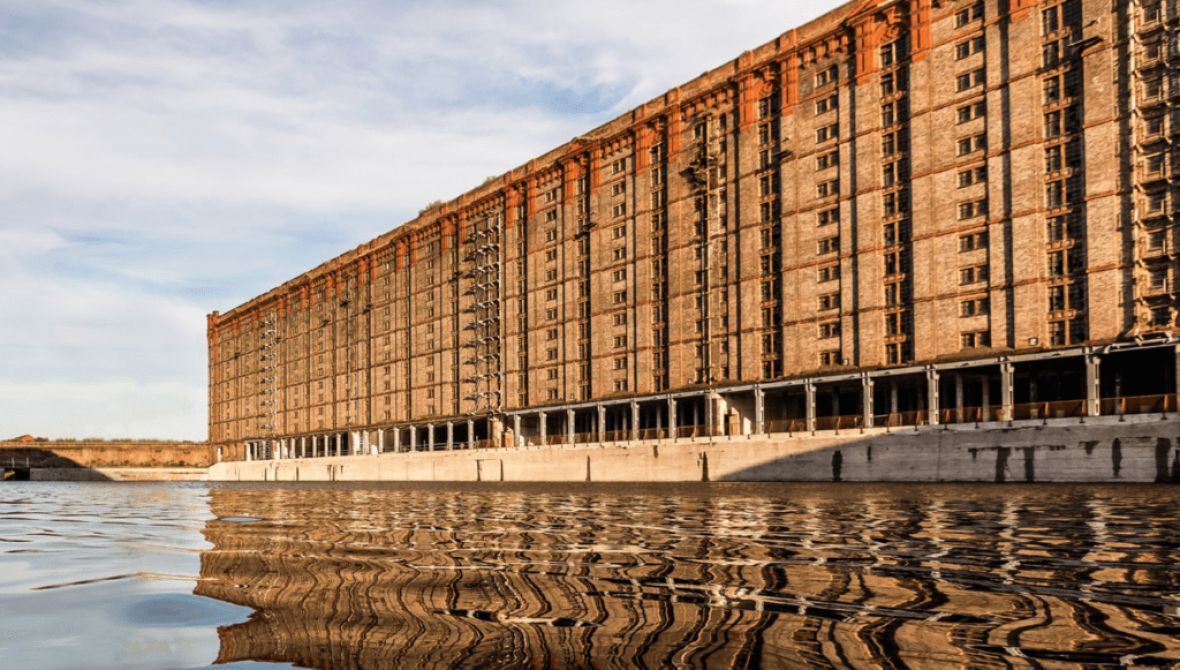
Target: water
pixel 109 575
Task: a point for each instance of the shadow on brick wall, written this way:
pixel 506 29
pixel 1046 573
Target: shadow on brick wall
pixel 19 464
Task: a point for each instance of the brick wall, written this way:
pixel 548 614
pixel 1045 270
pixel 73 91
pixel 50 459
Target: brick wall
pixel 871 189
pixel 107 454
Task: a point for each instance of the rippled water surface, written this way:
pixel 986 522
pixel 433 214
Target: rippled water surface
pixel 112 575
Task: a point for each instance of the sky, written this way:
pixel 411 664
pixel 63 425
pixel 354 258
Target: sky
pixel 161 159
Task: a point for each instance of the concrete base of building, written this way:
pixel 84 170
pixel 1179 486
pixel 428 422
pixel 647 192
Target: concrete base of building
pixel 1138 448
pixel 118 474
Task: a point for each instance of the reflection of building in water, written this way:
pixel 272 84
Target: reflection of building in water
pixel 416 578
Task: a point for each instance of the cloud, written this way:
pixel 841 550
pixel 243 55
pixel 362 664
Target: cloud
pixel 327 108
pixel 166 158
pixel 105 409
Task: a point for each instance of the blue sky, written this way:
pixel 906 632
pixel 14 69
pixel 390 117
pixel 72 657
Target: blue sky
pixel 161 159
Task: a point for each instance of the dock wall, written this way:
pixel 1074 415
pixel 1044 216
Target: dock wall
pixel 1104 449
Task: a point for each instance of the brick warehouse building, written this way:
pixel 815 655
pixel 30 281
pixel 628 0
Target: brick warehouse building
pixel 900 213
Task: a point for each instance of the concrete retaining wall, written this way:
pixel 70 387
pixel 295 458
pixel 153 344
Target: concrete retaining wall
pixel 1135 449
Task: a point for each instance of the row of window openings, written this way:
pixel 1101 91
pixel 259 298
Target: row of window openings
pixel 1158 278
pixel 768 132
pixel 968 14
pixel 1155 163
pixel 1156 203
pixel 1064 297
pixel 891 143
pixel 618 319
pixel 1153 88
pixel 583 392
pixel 1055 17
pixel 582 271
pixel 1161 315
pixel 893 113
pixel 584 292
pixel 969 80
pixel 967 145
pixel 1157 239
pixel 1059 261
pixel 1059 123
pixel 970 47
pixel 1054 53
pixel 1066 262
pixel 620 231
pixel 1055 90
pixel 972 209
pixel 893 53
pixel 1071 332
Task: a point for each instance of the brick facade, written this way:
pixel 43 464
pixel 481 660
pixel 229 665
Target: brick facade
pixel 891 184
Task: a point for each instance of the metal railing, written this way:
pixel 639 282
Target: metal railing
pixel 785 426
pixel 1058 409
pixel 1148 404
pixel 971 414
pixel 1145 404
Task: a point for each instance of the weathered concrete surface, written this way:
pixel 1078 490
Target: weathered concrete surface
pixel 1106 449
pixel 118 474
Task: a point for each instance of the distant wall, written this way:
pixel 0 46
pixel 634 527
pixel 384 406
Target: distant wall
pixel 1102 450
pixel 118 474
pixel 112 454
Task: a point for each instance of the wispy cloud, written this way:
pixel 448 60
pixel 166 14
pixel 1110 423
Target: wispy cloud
pixel 165 158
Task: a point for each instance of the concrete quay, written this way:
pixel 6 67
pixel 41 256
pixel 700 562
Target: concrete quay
pixel 1140 448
